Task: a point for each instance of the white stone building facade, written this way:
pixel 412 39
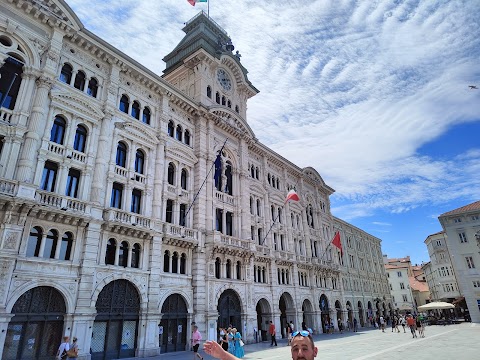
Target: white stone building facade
pixel 462 229
pixel 116 226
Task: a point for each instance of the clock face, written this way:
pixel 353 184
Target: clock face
pixel 224 79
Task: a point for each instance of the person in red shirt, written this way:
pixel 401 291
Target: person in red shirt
pixel 272 332
pixel 411 325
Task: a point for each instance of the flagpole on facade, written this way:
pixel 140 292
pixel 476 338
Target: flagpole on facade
pixel 329 244
pixel 204 181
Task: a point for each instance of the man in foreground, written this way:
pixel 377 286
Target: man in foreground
pixel 303 348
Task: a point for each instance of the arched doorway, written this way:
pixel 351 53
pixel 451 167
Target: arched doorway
pixel 349 307
pixel 115 329
pixel 229 310
pixel 325 312
pixel 360 314
pixel 307 314
pixel 338 308
pixel 173 326
pixel 286 306
pixel 263 319
pixel 36 328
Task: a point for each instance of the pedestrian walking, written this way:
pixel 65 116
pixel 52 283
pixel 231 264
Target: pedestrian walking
pixel 382 323
pixel 289 334
pixel 195 340
pixel 272 332
pixel 73 352
pixel 239 350
pixel 231 341
pixel 402 322
pixel 63 348
pixel 355 325
pixel 419 325
pixel 411 325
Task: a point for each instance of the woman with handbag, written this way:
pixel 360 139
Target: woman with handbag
pixel 239 351
pixel 72 353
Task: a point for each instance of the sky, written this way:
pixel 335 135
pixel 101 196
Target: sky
pixel 372 94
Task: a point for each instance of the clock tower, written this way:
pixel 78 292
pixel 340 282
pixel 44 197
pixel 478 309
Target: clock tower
pixel 204 66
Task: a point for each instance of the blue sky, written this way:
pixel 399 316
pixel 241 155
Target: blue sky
pixel 373 94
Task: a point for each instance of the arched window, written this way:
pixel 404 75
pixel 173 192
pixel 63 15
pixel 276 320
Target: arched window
pixel 228 268
pixel 80 138
pixel 179 133
pixel 259 274
pixel 66 73
pixel 254 273
pixel 287 276
pixel 183 211
pixel 92 87
pixel 228 174
pixel 183 264
pixel 135 112
pixel 51 243
pixel 238 270
pixel 269 179
pixel 110 252
pixel 229 104
pixel 217 268
pixel 237 109
pixel 264 278
pixel 124 102
pixel 256 173
pixel 58 130
pixel 278 183
pixel 229 223
pixel 135 256
pixel 175 263
pixel 66 246
pixel 217 97
pixel 121 157
pixel 258 207
pixel 209 91
pixel 278 275
pixel 273 181
pixel 183 179
pixel 79 82
pixel 171 174
pixel 123 254
pixel 169 211
pixel 251 206
pixel 166 261
pixel 11 78
pixel 146 116
pixel 187 137
pixel 170 128
pixel 279 215
pixel 272 208
pixel 224 100
pixel 252 171
pixel 34 241
pixel 139 161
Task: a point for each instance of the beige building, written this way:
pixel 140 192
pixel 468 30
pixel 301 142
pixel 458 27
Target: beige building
pixel 462 234
pixel 398 273
pixel 118 229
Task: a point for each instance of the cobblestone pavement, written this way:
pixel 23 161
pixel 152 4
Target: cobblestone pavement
pixel 460 341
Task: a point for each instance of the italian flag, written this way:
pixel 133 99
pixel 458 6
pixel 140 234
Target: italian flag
pixel 193 2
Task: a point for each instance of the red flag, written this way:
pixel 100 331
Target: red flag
pixel 292 195
pixel 337 242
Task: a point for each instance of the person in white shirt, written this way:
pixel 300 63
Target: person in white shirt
pixel 64 347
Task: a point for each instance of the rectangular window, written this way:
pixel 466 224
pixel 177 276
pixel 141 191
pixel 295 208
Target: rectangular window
pixel 219 220
pixel 402 286
pixel 136 201
pixel 405 297
pixel 252 230
pixel 457 220
pixel 476 284
pixel 470 263
pixel 169 212
pixel 183 211
pixel 275 242
pixel 475 217
pixel 49 176
pixel 399 273
pixel 229 223
pixel 72 183
pixel 391 287
pixel 116 199
pixel 463 237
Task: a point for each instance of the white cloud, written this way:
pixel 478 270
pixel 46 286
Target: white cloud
pixel 350 89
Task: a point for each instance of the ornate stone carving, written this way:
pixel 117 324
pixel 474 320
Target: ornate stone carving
pixel 10 242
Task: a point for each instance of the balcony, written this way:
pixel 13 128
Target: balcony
pixel 284 255
pixel 61 202
pixel 55 148
pixel 265 250
pixel 79 156
pixel 223 197
pixel 232 241
pixel 127 218
pixel 121 171
pixel 182 232
pixel 6 115
pixel 8 187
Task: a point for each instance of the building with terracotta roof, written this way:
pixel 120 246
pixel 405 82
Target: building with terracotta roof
pixel 398 273
pixel 462 229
